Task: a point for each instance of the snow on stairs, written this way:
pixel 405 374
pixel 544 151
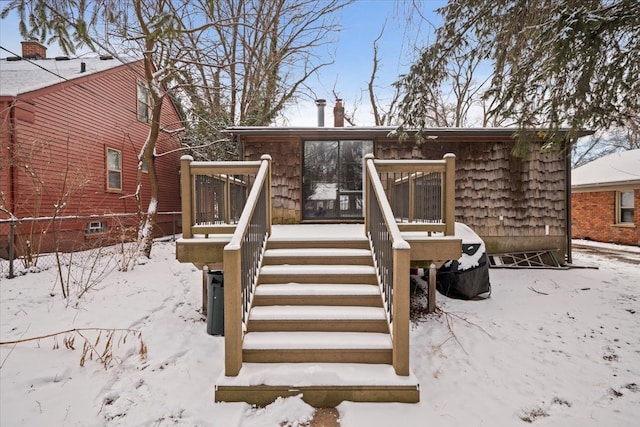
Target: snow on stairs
pixel 317 327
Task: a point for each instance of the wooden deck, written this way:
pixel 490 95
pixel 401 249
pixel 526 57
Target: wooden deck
pixel 331 296
pixel 425 249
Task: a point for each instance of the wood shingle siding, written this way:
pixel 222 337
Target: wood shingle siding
pixel 513 203
pixel 286 178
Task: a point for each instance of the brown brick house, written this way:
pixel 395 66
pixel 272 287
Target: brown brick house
pixel 70 133
pixel 605 197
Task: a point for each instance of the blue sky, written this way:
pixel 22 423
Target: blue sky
pixel 361 23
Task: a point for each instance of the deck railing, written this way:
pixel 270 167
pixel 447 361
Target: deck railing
pixel 220 198
pixel 214 194
pixel 392 260
pixel 242 260
pixel 421 193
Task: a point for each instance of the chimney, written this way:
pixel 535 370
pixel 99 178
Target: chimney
pixel 338 114
pixel 33 49
pixel 321 103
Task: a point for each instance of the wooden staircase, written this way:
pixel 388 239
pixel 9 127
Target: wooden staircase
pixel 317 326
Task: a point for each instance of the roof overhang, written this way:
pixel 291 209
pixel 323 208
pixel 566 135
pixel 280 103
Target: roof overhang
pixel 607 186
pixel 385 132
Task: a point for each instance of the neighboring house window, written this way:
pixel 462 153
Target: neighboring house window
pixel 114 169
pixel 625 207
pixel 144 103
pixel 96 227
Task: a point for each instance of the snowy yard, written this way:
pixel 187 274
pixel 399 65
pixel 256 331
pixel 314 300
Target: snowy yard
pixel 550 347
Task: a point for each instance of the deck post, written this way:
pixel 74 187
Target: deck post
pixel 205 293
pixel 269 195
pixel 450 194
pixel 186 190
pixel 431 304
pixel 232 311
pixel 367 193
pixel 226 197
pixel 412 197
pixel 401 302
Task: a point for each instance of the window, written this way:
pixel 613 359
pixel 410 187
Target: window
pixel 144 103
pixel 625 207
pixel 114 169
pixel 96 227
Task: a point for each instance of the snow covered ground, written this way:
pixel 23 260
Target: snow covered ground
pixel 550 347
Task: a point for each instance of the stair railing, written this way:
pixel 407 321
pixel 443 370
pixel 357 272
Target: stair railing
pixel 242 258
pixel 392 260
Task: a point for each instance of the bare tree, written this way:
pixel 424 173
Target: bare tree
pixel 262 52
pixel 457 99
pixel 382 115
pixel 235 61
pixel 604 143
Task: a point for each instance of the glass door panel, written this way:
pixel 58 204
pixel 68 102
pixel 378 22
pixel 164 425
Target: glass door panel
pixel 332 179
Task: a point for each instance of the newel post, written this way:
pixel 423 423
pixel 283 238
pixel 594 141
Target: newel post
pixel 186 182
pixel 367 193
pixel 450 194
pixel 232 310
pixel 267 158
pixel 401 303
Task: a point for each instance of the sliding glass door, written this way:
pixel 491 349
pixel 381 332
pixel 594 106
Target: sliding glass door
pixel 332 179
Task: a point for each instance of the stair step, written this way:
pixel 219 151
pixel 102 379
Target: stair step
pixel 317 274
pixel 317 294
pixel 315 347
pixel 321 384
pixel 318 256
pixel 328 241
pixel 317 318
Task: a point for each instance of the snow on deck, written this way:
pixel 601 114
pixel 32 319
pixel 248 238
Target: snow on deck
pixel 318 232
pixel 317 252
pixel 316 341
pixel 316 289
pixel 316 312
pixel 318 269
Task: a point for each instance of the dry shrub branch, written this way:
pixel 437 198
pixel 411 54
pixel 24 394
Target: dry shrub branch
pixel 110 338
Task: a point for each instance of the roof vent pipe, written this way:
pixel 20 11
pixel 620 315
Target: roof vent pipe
pixel 321 104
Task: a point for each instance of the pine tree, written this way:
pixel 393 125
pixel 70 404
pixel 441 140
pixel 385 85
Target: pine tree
pixel 554 63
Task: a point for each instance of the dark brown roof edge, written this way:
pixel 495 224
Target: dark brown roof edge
pixel 383 131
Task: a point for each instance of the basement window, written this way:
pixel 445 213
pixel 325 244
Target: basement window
pixel 625 209
pixel 96 227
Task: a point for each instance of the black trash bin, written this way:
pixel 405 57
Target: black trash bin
pixel 215 303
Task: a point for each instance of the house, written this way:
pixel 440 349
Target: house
pixel 71 130
pixel 605 196
pixel 316 267
pixel 513 204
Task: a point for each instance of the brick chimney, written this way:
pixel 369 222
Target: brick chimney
pixel 338 114
pixel 33 49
